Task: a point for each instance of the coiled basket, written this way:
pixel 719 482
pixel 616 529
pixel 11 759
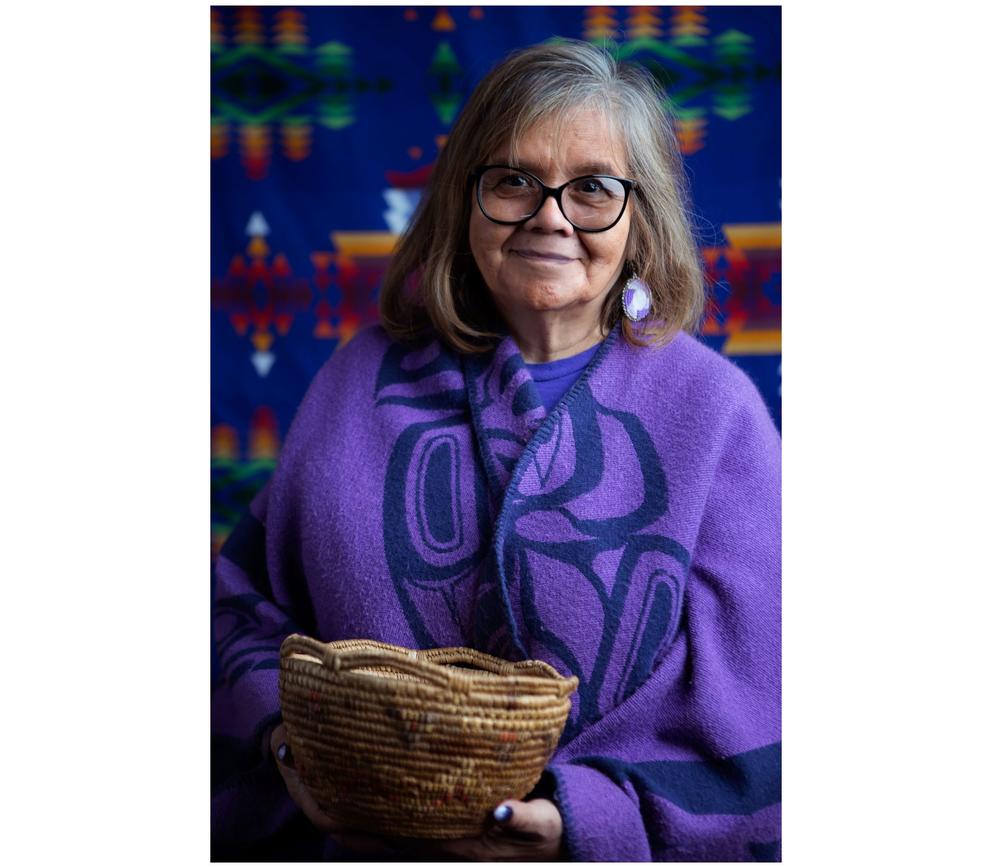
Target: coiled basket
pixel 417 743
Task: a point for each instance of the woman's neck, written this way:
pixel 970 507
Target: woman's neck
pixel 546 337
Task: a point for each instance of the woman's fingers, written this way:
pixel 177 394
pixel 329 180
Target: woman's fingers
pixel 521 830
pixel 298 793
pixel 355 841
pixel 538 818
pixel 524 831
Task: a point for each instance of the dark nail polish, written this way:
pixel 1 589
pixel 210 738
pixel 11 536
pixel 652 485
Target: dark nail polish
pixel 503 813
pixel 284 754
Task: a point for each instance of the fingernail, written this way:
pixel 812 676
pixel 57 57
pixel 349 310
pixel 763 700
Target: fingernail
pixel 285 754
pixel 503 813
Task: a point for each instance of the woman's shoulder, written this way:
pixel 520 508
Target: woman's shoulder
pixel 356 358
pixel 346 373
pixel 340 393
pixel 357 366
pixel 367 344
pixel 710 366
pixel 689 361
pixel 371 342
pixel 701 382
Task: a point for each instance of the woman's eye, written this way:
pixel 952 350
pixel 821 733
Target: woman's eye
pixel 515 181
pixel 590 185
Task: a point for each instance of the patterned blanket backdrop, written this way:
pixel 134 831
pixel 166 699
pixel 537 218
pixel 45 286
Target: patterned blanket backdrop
pixel 325 124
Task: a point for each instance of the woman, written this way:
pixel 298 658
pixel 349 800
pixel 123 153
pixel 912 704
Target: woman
pixel 532 457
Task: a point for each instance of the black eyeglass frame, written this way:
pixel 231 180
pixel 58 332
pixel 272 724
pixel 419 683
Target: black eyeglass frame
pixel 553 192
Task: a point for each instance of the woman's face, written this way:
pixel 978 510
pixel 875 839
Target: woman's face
pixel 545 264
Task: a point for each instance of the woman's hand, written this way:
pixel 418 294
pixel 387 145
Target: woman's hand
pixel 520 831
pixel 301 795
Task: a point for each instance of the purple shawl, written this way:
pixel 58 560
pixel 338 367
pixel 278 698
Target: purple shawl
pixel 630 537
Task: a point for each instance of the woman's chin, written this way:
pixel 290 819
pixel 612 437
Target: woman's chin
pixel 545 300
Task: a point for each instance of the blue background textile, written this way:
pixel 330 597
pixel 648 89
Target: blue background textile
pixel 325 123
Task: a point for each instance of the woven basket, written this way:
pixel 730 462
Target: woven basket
pixel 417 743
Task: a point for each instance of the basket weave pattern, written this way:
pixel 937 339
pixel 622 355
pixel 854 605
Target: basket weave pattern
pixel 412 743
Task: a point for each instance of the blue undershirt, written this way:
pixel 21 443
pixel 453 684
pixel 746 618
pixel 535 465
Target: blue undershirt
pixel 554 379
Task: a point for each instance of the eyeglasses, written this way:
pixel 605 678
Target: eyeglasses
pixel 592 203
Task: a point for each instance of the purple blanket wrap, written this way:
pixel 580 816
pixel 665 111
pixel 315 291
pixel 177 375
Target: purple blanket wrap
pixel 630 537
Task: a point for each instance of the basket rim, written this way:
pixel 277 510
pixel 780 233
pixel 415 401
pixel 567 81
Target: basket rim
pixel 343 657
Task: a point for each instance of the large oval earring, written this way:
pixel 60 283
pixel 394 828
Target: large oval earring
pixel 636 299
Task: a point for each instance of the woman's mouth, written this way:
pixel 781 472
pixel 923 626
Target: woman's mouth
pixel 540 256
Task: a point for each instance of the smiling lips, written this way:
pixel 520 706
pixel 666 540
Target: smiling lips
pixel 538 256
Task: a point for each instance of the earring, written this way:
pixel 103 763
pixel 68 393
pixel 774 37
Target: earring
pixel 636 299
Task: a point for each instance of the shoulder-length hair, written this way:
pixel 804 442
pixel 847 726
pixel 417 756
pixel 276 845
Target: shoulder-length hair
pixel 432 279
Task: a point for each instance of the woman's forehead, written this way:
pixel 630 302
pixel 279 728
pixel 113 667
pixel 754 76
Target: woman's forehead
pixel 579 142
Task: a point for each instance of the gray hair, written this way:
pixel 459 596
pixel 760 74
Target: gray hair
pixel 432 278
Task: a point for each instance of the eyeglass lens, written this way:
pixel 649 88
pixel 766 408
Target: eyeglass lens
pixel 593 202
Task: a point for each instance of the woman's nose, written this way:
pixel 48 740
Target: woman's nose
pixel 549 217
